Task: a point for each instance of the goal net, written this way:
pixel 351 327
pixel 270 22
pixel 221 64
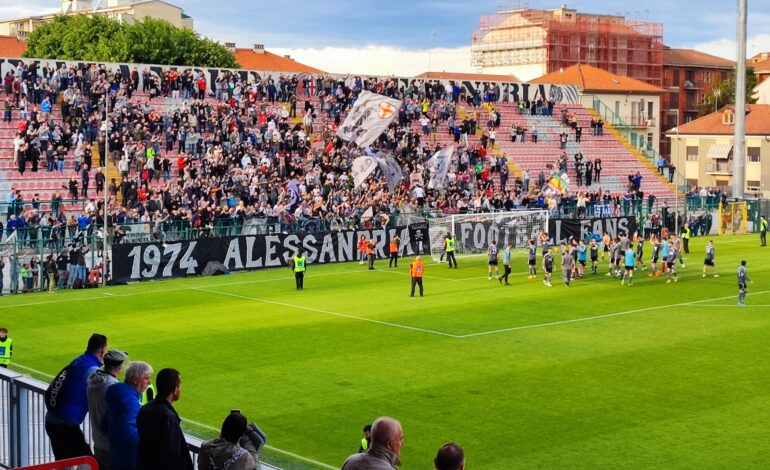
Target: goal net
pixel 733 218
pixel 474 232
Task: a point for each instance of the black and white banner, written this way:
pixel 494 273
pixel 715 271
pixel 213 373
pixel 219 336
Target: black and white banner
pixel 308 82
pixel 475 236
pixel 559 230
pixel 145 261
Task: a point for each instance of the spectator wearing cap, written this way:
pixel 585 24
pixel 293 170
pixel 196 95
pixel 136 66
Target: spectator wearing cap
pixel 233 450
pixel 98 383
pixel 63 423
pixel 120 419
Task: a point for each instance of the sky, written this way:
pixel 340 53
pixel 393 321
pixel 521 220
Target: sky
pixel 401 36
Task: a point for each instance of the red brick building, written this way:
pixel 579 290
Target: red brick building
pixel 688 76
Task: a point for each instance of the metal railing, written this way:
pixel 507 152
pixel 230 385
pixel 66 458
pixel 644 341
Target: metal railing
pixel 23 440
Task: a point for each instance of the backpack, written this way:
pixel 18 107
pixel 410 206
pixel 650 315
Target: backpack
pixel 51 398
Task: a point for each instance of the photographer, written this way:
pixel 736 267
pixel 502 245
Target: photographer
pixel 235 449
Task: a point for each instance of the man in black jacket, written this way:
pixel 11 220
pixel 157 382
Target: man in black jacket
pixel 161 442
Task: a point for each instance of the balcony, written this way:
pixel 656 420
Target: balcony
pixel 690 85
pixel 638 121
pixel 719 168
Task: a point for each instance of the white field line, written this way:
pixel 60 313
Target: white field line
pixel 108 295
pixel 201 425
pixel 329 312
pixel 597 317
pixel 267 446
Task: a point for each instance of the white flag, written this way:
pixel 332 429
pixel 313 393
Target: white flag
pixel 369 118
pixel 390 169
pixel 362 168
pixel 439 167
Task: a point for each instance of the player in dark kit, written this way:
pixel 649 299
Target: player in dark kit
pixel 640 251
pixel 655 254
pixel 547 267
pixel 532 259
pixel 673 255
pixel 743 289
pixel 709 260
pixel 593 250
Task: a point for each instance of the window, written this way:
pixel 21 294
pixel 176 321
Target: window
pixel 672 121
pixel 650 114
pixel 649 140
pixel 724 76
pixel 689 75
pixel 673 101
pixel 692 153
pixel 706 77
pixel 675 78
pixel 753 154
pixel 752 185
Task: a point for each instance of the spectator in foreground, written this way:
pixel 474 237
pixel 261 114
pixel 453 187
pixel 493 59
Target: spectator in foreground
pixel 98 383
pixel 450 457
pixel 385 449
pixel 162 445
pixel 120 420
pixel 233 450
pixel 62 422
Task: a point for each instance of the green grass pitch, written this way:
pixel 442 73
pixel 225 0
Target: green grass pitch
pixel 596 376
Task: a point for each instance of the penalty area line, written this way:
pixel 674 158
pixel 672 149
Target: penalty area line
pixel 598 317
pixel 329 312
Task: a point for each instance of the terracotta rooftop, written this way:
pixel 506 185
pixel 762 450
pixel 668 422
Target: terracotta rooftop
pixel 693 58
pixel 591 79
pixel 473 77
pixel 757 123
pixel 762 66
pixel 11 47
pixel 269 62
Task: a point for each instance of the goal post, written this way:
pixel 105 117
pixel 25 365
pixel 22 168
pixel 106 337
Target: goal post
pixel 474 232
pixel 733 218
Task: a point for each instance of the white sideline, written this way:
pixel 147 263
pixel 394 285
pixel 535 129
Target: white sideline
pixel 267 446
pixel 108 295
pixel 329 312
pixel 205 426
pixel 596 317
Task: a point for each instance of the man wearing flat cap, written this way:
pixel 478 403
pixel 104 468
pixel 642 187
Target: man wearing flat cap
pixel 98 383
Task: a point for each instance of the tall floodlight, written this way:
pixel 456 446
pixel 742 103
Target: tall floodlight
pixel 739 144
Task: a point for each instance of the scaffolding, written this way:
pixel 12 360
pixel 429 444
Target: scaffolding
pixel 557 39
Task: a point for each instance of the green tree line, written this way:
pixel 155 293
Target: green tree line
pixel 101 39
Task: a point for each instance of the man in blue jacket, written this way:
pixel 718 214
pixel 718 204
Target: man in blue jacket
pixel 63 423
pixel 120 420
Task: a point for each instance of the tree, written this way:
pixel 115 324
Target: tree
pixel 723 93
pixel 101 39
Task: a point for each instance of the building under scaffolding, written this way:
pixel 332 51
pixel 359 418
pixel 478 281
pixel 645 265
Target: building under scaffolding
pixel 531 43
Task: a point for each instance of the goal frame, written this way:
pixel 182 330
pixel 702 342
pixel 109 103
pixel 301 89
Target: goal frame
pixel 473 241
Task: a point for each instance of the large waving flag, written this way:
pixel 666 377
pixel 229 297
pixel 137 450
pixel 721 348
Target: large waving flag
pixel 390 169
pixel 369 118
pixel 362 168
pixel 439 167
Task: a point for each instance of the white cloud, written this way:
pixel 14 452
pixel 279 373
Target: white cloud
pixel 382 60
pixel 726 47
pixel 28 8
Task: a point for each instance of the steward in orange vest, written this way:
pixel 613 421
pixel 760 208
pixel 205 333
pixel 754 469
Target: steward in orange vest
pixel 416 271
pixel 394 244
pixel 361 249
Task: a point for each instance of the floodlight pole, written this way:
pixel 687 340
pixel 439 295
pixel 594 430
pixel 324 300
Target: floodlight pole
pixel 107 125
pixel 739 138
pixel 430 47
